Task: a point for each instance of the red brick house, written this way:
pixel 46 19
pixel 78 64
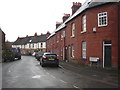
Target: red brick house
pixel 2 36
pixel 92 34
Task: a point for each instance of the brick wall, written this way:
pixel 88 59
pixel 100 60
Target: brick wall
pixel 94 40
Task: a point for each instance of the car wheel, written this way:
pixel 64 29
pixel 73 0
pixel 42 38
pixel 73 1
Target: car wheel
pixel 42 65
pixel 57 65
pixel 19 58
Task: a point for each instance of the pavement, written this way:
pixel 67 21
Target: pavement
pixel 86 67
pixel 108 76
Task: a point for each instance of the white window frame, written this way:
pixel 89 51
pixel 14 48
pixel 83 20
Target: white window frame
pixel 61 51
pixel 102 19
pixel 84 24
pixel 73 51
pixel 58 38
pixel 84 49
pixel 64 33
pixel 73 30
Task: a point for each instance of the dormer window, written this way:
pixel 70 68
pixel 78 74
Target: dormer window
pixel 30 40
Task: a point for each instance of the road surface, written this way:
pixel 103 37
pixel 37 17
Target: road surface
pixel 27 73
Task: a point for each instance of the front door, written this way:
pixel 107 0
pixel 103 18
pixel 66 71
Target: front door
pixel 107 53
pixel 107 59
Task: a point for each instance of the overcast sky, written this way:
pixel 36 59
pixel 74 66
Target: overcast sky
pixel 25 17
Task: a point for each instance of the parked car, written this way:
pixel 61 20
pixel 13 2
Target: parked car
pixel 39 55
pixel 49 59
pixel 34 53
pixel 16 52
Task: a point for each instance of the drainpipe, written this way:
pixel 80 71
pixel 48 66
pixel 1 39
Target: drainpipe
pixel 119 34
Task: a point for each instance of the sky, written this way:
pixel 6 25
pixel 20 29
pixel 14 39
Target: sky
pixel 19 18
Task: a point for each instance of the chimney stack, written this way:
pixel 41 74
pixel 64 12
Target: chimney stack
pixel 75 7
pixel 35 34
pixel 58 24
pixel 18 37
pixel 65 17
pixel 48 32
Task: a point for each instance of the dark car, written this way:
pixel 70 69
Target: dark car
pixel 39 54
pixel 16 52
pixel 49 59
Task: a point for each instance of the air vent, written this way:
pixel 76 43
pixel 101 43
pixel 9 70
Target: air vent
pixel 94 29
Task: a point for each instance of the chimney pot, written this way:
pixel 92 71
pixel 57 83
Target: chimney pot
pixel 65 17
pixel 75 7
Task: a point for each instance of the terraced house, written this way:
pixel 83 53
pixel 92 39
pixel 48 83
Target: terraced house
pixel 30 44
pixel 91 35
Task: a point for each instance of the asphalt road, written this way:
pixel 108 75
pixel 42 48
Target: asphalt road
pixel 27 73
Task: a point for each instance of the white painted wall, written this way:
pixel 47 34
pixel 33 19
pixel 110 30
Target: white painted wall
pixel 36 45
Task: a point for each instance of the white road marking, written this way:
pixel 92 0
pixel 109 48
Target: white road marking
pixel 38 76
pixel 53 76
pixel 63 81
pixel 94 75
pixel 75 86
pixel 48 73
pixel 61 66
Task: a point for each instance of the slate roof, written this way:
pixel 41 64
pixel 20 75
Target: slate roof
pixel 31 39
pixel 21 41
pixel 88 4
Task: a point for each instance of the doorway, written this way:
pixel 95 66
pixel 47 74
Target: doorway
pixel 107 53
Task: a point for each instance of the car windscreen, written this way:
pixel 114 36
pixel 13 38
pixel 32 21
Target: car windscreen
pixel 51 55
pixel 40 53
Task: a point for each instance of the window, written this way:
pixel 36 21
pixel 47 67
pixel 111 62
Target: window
pixel 41 45
pixel 62 36
pixel 63 33
pixel 73 51
pixel 84 49
pixel 38 45
pixel 29 45
pixel 33 45
pixel 57 38
pixel 73 29
pixel 83 24
pixel 61 51
pixel 102 19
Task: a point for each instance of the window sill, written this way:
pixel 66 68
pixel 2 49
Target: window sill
pixel 72 36
pixel 72 57
pixel 83 32
pixel 102 25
